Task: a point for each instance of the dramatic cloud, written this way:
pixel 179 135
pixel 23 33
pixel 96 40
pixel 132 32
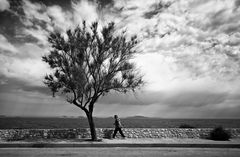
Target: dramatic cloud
pixel 186 31
pixel 24 65
pixel 189 55
pixel 6 46
pixel 4 5
pixel 84 10
pixel 60 20
pixel 170 98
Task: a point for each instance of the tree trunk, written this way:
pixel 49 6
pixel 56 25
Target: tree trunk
pixel 92 126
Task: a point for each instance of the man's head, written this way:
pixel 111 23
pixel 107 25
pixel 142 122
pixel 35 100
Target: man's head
pixel 115 116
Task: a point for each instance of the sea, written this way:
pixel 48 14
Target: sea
pixel 129 122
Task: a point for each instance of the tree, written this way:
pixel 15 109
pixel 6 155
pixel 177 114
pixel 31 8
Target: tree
pixel 88 63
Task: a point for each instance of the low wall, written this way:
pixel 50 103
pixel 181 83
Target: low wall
pixel 20 134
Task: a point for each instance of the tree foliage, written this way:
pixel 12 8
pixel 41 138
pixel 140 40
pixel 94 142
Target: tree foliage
pixel 88 63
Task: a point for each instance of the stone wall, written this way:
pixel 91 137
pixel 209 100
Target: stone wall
pixel 21 134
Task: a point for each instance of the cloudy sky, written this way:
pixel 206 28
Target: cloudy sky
pixel 189 56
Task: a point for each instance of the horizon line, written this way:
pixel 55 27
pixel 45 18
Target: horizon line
pixel 137 116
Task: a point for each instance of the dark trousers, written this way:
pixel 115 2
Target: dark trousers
pixel 120 131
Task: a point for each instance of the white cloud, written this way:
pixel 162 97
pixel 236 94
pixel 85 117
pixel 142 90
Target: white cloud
pixel 31 51
pixel 84 10
pixel 61 20
pixel 5 45
pixel 35 11
pixel 39 33
pixel 31 71
pixel 41 19
pixel 4 5
pixel 26 65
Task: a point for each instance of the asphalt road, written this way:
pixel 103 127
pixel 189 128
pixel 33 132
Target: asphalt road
pixel 121 152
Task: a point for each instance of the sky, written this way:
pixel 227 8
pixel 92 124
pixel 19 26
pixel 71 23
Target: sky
pixel 189 56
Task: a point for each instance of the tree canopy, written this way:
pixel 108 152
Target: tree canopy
pixel 89 63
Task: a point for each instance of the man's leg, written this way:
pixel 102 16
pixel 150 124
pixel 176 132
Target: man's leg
pixel 115 132
pixel 120 131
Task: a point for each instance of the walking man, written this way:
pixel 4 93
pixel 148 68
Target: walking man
pixel 118 127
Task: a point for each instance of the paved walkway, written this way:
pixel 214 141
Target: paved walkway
pixel 128 142
pixel 119 152
pixel 170 141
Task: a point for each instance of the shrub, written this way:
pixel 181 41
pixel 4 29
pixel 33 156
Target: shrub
pixel 186 126
pixel 220 134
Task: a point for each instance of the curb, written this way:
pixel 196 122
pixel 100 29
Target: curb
pixel 67 145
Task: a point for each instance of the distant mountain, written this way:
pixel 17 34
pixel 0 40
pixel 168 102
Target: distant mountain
pixel 81 117
pixel 137 117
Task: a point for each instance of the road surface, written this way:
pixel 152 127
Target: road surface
pixel 121 152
